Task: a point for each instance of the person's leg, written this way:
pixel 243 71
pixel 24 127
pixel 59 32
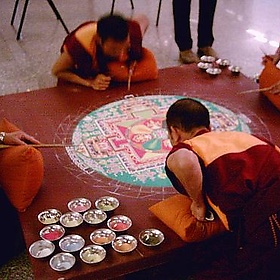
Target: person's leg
pixel 183 39
pixel 205 37
pixel 181 17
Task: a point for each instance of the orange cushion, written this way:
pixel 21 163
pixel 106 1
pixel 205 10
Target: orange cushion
pixel 176 214
pixel 145 69
pixel 21 171
pixel 268 77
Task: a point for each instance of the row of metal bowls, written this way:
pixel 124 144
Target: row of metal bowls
pixel 91 253
pixel 80 211
pixel 79 205
pixel 208 63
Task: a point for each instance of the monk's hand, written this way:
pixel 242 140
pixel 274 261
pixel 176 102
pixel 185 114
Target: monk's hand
pixel 198 210
pixel 19 138
pixel 101 82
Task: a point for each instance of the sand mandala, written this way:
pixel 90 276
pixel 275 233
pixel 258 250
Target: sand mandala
pixel 126 141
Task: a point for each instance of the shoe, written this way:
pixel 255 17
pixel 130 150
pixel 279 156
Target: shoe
pixel 188 56
pixel 208 51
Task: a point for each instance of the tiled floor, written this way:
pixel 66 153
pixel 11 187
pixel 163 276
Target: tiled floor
pixel 243 29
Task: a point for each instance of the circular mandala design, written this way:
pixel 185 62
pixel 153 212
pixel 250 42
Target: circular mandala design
pixel 127 140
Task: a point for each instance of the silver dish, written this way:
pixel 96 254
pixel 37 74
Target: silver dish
pixel 62 261
pixel 213 71
pixel 94 216
pixel 209 216
pixel 71 219
pixel 93 254
pixel 79 205
pixel 52 232
pixel 204 65
pixel 71 243
pixel 223 62
pixel 49 216
pixel 235 70
pixel 107 203
pixel 119 223
pixel 124 243
pixel 102 236
pixel 207 58
pixel 41 249
pixel 151 237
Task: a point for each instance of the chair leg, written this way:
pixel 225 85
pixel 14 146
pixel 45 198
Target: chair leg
pixel 113 6
pixel 58 16
pixel 22 19
pixel 158 13
pixel 14 12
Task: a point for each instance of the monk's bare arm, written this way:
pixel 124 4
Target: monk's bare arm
pixel 185 165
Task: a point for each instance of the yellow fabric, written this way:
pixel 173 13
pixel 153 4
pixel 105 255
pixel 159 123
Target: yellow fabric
pixel 268 77
pixel 21 171
pixel 219 144
pixel 176 214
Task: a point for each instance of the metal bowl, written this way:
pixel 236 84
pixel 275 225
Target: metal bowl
pixel 209 216
pixel 119 223
pixel 93 254
pixel 213 71
pixel 102 236
pixel 151 237
pixel 41 249
pixel 49 216
pixel 71 219
pixel 207 58
pixel 79 205
pixel 204 65
pixel 223 62
pixel 124 243
pixel 62 261
pixel 71 243
pixel 235 70
pixel 52 232
pixel 94 216
pixel 107 203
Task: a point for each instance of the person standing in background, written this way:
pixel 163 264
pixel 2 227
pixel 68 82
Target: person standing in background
pixel 183 38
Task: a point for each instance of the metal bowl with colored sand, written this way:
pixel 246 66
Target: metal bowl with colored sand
pixel 62 261
pixel 124 243
pixel 79 205
pixel 207 58
pixel 235 70
pixel 151 237
pixel 107 203
pixel 223 62
pixel 94 216
pixel 92 254
pixel 204 65
pixel 49 216
pixel 71 219
pixel 213 71
pixel 52 232
pixel 71 243
pixel 102 236
pixel 119 223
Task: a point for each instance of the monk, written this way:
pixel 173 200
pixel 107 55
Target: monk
pixel 97 53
